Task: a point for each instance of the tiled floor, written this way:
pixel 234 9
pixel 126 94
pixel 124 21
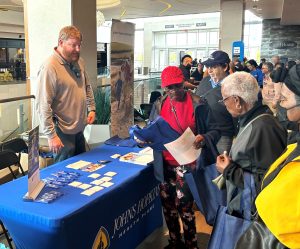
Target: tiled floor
pixel 159 238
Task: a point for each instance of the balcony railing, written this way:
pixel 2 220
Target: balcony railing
pixel 15 116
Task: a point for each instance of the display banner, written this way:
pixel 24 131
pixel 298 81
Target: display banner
pixel 238 50
pixel 122 74
pixel 35 185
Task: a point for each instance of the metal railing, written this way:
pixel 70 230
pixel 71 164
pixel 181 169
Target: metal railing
pixel 15 116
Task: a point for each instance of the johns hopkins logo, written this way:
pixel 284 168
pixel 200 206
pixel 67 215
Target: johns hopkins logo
pixel 102 239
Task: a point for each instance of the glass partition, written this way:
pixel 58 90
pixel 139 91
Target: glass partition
pixel 15 116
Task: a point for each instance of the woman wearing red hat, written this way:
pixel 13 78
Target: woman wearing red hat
pixel 177 108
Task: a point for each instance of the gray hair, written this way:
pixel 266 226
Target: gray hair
pixel 243 85
pixel 269 65
pixel 69 32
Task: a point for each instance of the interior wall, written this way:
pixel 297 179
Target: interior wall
pixel 280 40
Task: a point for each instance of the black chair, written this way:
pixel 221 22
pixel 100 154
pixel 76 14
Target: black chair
pixel 146 110
pixel 154 96
pixel 7 160
pixel 16 145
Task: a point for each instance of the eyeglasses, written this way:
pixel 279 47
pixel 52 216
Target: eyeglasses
pixel 174 87
pixel 74 45
pixel 222 101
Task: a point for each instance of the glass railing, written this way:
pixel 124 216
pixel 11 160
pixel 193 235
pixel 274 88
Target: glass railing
pixel 15 116
pixel 143 88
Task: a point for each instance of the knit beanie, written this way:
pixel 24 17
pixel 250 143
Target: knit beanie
pixel 292 81
pixel 171 75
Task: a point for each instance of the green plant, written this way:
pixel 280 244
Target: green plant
pixel 102 101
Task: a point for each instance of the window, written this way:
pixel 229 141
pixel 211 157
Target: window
pixel 192 38
pixel 181 38
pixel 213 38
pixel 202 38
pixel 159 40
pixel 198 43
pixel 171 39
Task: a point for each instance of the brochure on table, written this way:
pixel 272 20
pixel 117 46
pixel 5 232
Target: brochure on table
pixel 35 185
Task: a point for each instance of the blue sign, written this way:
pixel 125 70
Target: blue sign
pixel 238 50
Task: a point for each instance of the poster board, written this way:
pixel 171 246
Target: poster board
pixel 35 185
pixel 122 76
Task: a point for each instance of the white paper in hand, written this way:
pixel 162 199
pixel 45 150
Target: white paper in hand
pixel 182 148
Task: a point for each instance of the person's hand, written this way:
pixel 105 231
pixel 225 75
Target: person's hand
pixel 91 117
pixel 55 144
pixel 140 142
pixel 222 162
pixel 189 85
pixel 199 142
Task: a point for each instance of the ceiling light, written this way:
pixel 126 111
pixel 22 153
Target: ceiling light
pixel 104 4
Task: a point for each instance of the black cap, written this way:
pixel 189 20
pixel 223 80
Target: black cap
pixel 292 81
pixel 185 56
pixel 218 57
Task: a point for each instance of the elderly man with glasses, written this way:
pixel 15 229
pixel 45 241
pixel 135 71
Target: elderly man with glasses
pixel 261 139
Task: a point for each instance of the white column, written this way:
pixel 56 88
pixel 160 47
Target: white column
pixel 232 22
pixel 43 21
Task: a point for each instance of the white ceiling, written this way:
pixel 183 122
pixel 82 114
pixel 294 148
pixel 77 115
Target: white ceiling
pixel 287 10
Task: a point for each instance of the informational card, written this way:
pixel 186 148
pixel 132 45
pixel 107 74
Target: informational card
pixel 105 179
pixel 75 184
pixel 78 165
pixel 137 158
pixel 182 148
pixel 92 167
pixel 84 186
pixel 110 173
pixel 107 184
pixel 97 182
pixel 91 191
pixel 94 175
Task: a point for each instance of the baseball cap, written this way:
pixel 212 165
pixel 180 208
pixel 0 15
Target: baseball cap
pixel 218 57
pixel 171 75
pixel 292 81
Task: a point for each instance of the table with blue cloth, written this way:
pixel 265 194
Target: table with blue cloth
pixel 125 213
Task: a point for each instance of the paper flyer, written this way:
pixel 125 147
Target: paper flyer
pixel 182 148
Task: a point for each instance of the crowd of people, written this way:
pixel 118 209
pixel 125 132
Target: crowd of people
pixel 247 110
pixel 250 109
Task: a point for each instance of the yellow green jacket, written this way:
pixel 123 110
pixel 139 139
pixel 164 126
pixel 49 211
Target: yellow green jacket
pixel 278 204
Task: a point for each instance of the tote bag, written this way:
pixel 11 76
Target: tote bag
pixel 228 228
pixel 206 194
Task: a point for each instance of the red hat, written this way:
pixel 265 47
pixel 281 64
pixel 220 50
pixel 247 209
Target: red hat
pixel 171 75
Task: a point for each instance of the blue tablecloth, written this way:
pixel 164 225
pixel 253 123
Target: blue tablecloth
pixel 129 210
